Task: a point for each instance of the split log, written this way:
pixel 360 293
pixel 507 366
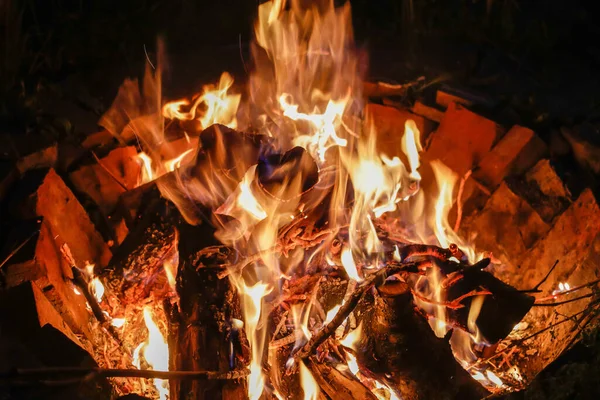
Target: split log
pixel 490 231
pixel 389 126
pixel 63 220
pixel 447 95
pixel 514 154
pixel 463 139
pixel 426 111
pixel 574 241
pixel 202 335
pixel 105 180
pixel 336 385
pixel 544 189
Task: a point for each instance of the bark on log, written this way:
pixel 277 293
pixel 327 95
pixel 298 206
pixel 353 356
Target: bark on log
pixel 201 331
pixel 133 270
pixel 401 349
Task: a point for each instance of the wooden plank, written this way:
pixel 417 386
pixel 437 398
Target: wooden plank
pixel 463 139
pixel 514 154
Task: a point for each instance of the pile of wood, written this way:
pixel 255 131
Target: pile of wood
pixel 513 201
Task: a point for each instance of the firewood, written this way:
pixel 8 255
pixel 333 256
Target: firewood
pixel 426 111
pixel 389 126
pixel 144 251
pixel 514 154
pixel 201 332
pixel 508 242
pixel 462 139
pixel 108 178
pixel 336 385
pixel 544 189
pixel 447 95
pixel 400 349
pixel 18 259
pixel 44 158
pixel 573 241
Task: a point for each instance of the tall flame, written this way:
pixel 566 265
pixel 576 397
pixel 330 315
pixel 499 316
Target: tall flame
pixel 308 383
pixel 156 352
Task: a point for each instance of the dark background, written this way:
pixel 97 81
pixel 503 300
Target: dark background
pixel 64 59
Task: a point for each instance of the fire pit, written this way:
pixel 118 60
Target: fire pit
pixel 296 239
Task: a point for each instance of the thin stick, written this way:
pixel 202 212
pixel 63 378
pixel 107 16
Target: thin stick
pixel 19 247
pixel 574 289
pixel 375 279
pixel 558 303
pixel 105 168
pixel 536 287
pixel 48 373
pixel 459 205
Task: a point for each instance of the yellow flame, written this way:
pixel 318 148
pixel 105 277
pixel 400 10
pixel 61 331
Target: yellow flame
pixel 331 313
pixel 156 352
pixel 352 338
pixel 411 146
pixel 252 298
pixel 248 202
pixel 446 179
pixel 325 135
pixel 349 265
pixel 147 173
pixel 494 378
pixel 220 106
pixel 172 165
pixel 308 383
pixel 171 273
pixel 97 289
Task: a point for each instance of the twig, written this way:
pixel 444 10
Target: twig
pixel 574 289
pixel 558 303
pixel 536 287
pixel 459 205
pixel 375 279
pixel 19 247
pixel 517 342
pixel 81 373
pixel 83 285
pixel 105 168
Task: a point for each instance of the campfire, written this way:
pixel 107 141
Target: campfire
pixel 294 238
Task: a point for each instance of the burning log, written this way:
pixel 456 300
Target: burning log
pixel 401 350
pixel 134 268
pixel 203 333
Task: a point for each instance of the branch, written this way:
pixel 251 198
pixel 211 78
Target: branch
pixel 76 374
pixel 375 279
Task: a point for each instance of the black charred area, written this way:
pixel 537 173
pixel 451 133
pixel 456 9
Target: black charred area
pixel 62 61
